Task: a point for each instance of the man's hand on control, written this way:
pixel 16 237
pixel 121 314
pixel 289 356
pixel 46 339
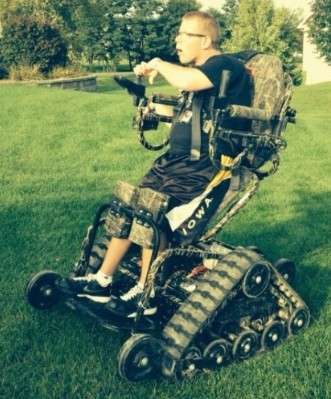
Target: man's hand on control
pixel 149 69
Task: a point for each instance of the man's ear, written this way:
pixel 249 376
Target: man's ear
pixel 206 42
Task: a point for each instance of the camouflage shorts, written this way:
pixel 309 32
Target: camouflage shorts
pixel 122 202
pixel 150 206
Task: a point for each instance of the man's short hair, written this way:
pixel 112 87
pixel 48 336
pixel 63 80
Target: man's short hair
pixel 209 25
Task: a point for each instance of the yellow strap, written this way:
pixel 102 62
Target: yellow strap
pixel 222 174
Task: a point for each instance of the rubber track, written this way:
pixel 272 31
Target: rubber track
pixel 210 294
pixel 286 290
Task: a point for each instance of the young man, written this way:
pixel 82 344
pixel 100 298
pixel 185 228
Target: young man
pixel 183 172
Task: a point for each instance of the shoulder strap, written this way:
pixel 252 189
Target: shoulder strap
pixel 197 103
pixel 196 128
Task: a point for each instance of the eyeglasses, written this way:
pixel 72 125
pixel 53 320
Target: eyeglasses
pixel 187 34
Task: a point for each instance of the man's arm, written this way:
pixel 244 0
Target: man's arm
pixel 180 77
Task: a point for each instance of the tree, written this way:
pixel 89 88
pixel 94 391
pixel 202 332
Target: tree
pixel 290 41
pixel 141 29
pixel 253 26
pixel 33 42
pixel 79 21
pixel 131 29
pixel 229 12
pixel 320 27
pixel 145 29
pixel 116 35
pixel 259 26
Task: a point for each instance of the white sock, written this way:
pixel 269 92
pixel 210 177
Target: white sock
pixel 103 279
pixel 140 286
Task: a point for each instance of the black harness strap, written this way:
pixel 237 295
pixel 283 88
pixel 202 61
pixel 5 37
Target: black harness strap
pixel 177 110
pixel 196 128
pixel 197 103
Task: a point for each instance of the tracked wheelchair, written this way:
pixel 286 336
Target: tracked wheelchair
pixel 217 303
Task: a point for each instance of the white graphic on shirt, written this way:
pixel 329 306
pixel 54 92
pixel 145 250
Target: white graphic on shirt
pixel 186 114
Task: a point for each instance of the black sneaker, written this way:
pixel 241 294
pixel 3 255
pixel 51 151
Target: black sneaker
pixel 126 305
pixel 85 287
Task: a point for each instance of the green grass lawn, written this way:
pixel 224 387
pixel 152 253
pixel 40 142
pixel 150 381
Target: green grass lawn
pixel 61 153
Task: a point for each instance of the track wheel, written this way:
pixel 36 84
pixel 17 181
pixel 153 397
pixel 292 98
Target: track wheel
pixel 272 335
pixel 256 280
pixel 188 368
pixel 245 345
pixel 216 354
pixel 298 320
pixel 41 292
pixel 286 269
pixel 139 357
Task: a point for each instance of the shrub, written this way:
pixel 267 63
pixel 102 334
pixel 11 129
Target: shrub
pixel 25 72
pixel 3 72
pixel 3 69
pixel 31 41
pixel 68 72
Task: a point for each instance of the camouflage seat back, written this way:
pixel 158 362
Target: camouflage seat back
pixel 268 87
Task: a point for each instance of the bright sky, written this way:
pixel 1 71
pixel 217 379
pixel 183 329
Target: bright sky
pixel 293 4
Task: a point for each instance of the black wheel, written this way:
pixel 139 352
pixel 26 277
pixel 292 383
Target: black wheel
pixel 286 269
pixel 41 292
pixel 245 345
pixel 139 357
pixel 188 368
pixel 272 335
pixel 216 354
pixel 256 280
pixel 298 320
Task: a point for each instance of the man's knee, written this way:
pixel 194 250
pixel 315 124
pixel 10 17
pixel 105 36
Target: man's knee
pixel 151 206
pixel 122 204
pixel 132 212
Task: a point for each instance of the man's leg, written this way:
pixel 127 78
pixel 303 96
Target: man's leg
pixel 126 304
pixel 147 256
pixel 117 249
pixel 97 287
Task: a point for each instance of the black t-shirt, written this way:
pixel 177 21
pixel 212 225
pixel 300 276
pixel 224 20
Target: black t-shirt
pixel 238 92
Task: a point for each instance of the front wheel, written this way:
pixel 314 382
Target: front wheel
pixel 41 292
pixel 138 357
